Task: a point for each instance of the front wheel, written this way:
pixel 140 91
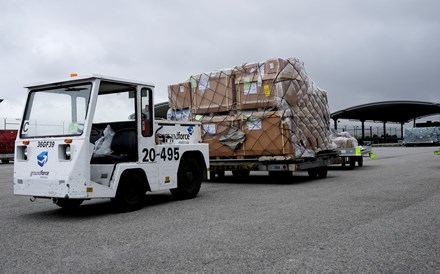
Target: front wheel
pixel 130 193
pixel 189 179
pixel 67 203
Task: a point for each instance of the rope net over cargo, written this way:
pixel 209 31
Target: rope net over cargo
pixel 268 108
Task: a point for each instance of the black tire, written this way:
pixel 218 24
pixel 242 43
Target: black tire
pixel 189 179
pixel 352 162
pixel 313 173
pixel 68 203
pixel 322 172
pixel 130 193
pixel 360 161
pixel 241 173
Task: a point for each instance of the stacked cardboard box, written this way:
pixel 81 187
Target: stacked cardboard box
pixel 212 92
pixel 274 103
pixel 179 96
pixel 267 133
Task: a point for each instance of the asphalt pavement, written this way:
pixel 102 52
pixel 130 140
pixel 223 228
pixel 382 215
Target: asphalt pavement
pixel 382 217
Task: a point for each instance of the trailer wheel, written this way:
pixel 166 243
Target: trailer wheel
pixel 360 161
pixel 130 193
pixel 189 179
pixel 67 203
pixel 313 173
pixel 343 162
pixel 322 172
pixel 352 162
pixel 241 173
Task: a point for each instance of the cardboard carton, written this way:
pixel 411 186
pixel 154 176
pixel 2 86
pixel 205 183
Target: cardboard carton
pixel 179 95
pixel 253 93
pixel 212 92
pixel 281 69
pixel 249 70
pixel 213 128
pixel 266 134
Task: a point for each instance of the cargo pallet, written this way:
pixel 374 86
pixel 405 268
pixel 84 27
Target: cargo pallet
pixel 276 165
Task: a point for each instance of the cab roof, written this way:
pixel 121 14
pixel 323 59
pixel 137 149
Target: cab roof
pixel 91 77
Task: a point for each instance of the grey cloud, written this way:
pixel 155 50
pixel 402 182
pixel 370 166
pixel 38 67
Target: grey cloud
pixel 359 51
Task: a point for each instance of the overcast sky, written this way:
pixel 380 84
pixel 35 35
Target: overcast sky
pixel 358 51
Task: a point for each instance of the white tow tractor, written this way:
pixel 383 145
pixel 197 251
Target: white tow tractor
pixel 96 137
pixel 351 156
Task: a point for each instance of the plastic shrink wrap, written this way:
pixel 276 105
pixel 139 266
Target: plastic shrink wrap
pixel 343 139
pixel 422 135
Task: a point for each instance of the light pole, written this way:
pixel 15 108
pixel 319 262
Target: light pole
pixel 1 100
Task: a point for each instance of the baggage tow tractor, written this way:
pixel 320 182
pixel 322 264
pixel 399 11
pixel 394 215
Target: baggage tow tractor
pixel 95 137
pixel 351 156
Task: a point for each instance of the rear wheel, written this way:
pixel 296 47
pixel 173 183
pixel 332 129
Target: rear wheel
pixel 68 203
pixel 189 179
pixel 130 193
pixel 352 162
pixel 360 161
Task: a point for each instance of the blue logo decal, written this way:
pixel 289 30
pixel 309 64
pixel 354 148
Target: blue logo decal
pixel 190 130
pixel 42 158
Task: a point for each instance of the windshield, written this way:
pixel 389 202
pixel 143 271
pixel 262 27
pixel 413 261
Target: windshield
pixel 56 112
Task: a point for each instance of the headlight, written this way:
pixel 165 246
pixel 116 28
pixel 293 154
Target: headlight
pixel 67 152
pixel 64 152
pixel 25 153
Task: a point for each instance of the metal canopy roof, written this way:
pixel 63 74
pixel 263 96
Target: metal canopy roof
pixel 388 111
pixel 160 110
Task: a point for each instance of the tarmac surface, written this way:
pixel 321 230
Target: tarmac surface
pixel 382 217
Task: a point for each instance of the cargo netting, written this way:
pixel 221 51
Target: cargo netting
pixel 269 108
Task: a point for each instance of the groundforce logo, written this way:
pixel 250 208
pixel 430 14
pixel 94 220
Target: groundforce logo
pixel 172 137
pixel 42 158
pixel 40 173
